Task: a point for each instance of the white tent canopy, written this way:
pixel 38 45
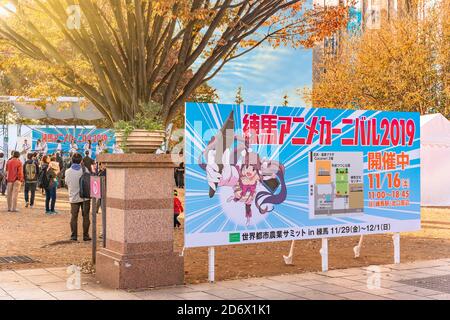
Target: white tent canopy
pixel 63 108
pixel 435 160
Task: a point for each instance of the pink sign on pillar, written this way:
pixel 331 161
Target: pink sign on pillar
pixel 96 191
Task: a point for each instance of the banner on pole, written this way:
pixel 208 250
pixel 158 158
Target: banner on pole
pixel 96 187
pixel 262 173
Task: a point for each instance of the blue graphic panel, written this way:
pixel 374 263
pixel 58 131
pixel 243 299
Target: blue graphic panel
pixel 65 135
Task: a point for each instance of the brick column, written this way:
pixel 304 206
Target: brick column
pixel 139 223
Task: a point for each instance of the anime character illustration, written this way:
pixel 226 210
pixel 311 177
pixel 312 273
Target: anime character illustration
pixel 245 182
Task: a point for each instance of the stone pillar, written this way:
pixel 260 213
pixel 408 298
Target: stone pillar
pixel 139 223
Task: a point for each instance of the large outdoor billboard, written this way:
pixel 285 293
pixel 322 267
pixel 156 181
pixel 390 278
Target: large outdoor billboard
pixel 265 173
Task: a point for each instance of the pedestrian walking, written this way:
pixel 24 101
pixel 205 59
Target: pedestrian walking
pixel 31 174
pixel 72 179
pixel 14 177
pixel 50 184
pixel 54 164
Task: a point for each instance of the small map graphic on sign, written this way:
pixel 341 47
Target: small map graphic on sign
pixel 336 183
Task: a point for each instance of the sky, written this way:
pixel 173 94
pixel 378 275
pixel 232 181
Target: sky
pixel 266 75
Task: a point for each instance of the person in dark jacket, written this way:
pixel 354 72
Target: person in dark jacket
pixel 88 162
pixel 53 176
pixel 179 176
pixel 101 172
pixel 48 180
pixel 31 174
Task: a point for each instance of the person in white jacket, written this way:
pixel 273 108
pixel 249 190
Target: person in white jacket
pixel 72 179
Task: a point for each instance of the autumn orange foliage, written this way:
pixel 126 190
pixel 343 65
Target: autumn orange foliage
pixel 403 66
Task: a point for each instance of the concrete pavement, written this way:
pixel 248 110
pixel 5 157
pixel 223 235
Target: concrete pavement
pixel 409 281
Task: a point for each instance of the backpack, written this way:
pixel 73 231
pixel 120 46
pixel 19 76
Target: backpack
pixel 85 184
pixel 30 172
pixel 51 177
pixel 43 181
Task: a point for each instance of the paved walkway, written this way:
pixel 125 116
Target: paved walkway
pixel 418 280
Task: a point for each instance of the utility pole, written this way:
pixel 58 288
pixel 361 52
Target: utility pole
pixel 5 130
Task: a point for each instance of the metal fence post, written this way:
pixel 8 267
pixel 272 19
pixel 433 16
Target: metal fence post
pixel 103 205
pixel 94 229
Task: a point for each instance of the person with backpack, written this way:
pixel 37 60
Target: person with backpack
pixel 48 180
pixel 14 176
pixel 43 182
pixel 78 182
pixel 31 174
pixel 54 164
